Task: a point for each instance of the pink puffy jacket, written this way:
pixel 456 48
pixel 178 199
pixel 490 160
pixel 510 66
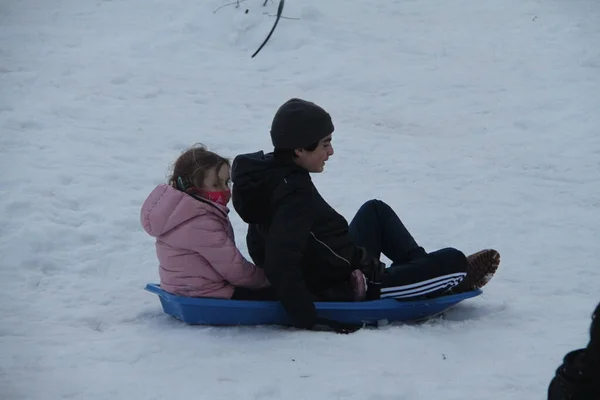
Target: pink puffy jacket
pixel 196 247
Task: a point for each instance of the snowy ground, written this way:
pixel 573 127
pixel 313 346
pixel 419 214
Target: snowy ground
pixel 476 120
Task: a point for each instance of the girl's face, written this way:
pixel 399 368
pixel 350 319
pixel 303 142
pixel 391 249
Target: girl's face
pixel 216 186
pixel 214 181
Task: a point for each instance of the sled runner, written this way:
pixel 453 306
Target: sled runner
pixel 206 311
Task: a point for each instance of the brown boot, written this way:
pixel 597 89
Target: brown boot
pixel 481 267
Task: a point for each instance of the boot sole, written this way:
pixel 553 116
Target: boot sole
pixel 481 267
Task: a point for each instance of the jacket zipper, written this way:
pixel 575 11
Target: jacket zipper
pixel 331 250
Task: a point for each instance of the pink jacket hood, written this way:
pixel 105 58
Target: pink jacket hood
pixel 167 208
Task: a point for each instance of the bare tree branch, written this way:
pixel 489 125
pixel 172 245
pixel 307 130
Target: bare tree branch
pixel 279 12
pixel 282 17
pixel 237 4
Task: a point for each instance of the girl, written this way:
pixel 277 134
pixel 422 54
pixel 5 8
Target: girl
pixel 195 243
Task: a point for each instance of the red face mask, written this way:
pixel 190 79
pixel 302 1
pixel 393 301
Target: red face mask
pixel 221 197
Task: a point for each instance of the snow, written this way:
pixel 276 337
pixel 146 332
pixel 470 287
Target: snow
pixel 477 121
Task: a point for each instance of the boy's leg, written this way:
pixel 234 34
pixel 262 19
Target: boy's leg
pixel 428 276
pixel 413 272
pixel 378 229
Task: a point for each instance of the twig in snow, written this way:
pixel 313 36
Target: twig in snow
pixel 282 17
pixel 237 5
pixel 279 11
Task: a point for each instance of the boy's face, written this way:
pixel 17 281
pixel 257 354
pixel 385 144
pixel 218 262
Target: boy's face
pixel 314 161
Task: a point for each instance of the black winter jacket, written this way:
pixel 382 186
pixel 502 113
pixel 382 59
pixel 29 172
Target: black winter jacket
pixel 301 241
pixel 578 377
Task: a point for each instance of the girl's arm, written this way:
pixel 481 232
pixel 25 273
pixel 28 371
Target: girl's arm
pixel 221 252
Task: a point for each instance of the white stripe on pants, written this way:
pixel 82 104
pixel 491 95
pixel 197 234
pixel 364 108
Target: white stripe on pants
pixel 423 287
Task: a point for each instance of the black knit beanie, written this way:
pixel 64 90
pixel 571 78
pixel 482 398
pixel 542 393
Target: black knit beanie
pixel 299 123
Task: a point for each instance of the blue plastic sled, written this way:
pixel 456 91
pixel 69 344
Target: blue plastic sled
pixel 206 311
